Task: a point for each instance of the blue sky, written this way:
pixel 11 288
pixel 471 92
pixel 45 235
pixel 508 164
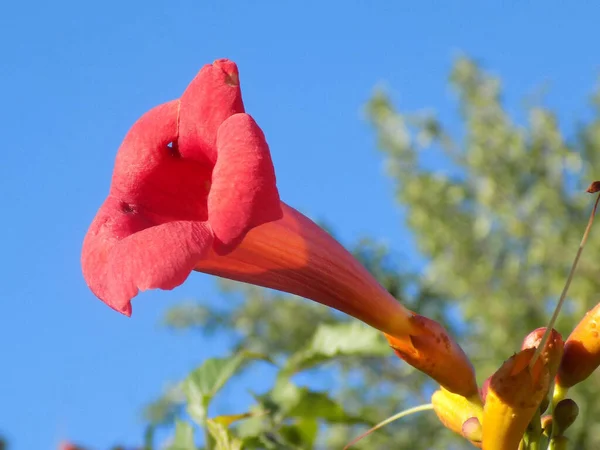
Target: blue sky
pixel 74 77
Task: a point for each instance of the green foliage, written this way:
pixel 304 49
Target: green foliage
pixel 501 221
pixel 202 384
pixel 184 437
pixel 290 324
pixel 496 209
pixel 167 408
pixel 287 416
pixel 336 341
pixel 222 436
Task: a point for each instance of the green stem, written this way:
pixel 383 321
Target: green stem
pixel 563 295
pixel 383 423
pixel 558 444
pixel 207 438
pixel 149 438
pixel 560 393
pixel 534 433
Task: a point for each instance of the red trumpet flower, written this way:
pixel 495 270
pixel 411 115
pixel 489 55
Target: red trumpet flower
pixel 194 189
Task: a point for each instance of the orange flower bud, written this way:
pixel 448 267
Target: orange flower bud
pixel 553 350
pixel 551 355
pixel 434 352
pixel 514 394
pixel 582 351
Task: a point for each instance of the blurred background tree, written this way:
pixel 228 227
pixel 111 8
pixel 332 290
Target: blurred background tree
pixel 496 208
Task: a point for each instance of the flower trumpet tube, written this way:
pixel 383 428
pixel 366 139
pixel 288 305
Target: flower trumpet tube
pixel 433 351
pixel 582 351
pixel 194 188
pixel 514 394
pixel 295 255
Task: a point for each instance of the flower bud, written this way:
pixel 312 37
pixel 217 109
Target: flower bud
pixel 547 423
pixel 565 413
pixel 459 414
pixel 553 349
pixel 582 351
pixel 430 349
pixel 514 394
pixel 551 355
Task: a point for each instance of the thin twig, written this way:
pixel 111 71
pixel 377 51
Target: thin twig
pixel 401 414
pixel 563 295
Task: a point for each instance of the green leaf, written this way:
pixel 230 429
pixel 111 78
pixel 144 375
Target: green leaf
pixel 203 383
pixel 304 403
pixel 335 341
pixel 313 404
pixel 223 438
pixel 302 433
pixel 292 419
pixel 184 437
pixel 228 419
pixel 166 408
pixel 255 425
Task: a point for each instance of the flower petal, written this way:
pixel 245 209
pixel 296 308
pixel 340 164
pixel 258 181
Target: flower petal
pixel 152 178
pixel 210 98
pixel 113 222
pixel 145 147
pixel 243 194
pixel 158 257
